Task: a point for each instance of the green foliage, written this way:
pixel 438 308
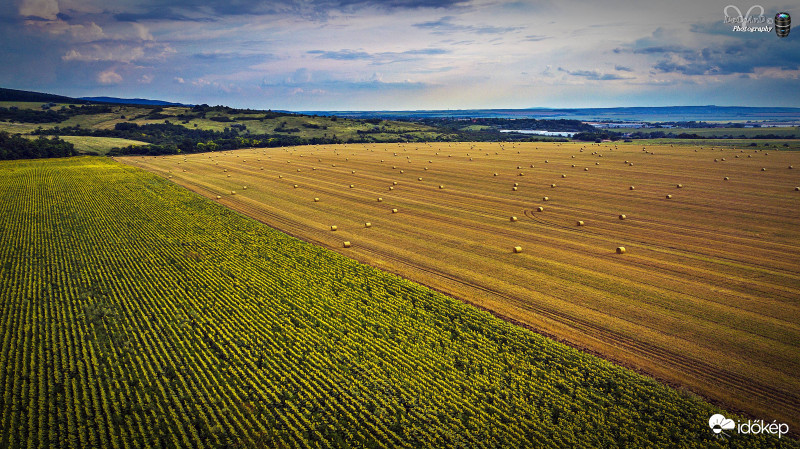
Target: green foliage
pixel 137 314
pixel 17 147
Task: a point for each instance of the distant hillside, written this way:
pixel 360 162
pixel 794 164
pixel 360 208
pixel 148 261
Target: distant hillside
pixel 24 95
pixel 138 101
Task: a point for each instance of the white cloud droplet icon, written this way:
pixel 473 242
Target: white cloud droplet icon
pixel 718 423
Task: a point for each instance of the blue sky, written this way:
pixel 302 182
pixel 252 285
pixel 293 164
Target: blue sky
pixel 401 54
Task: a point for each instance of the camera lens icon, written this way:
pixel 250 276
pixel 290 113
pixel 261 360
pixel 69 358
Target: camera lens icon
pixel 783 23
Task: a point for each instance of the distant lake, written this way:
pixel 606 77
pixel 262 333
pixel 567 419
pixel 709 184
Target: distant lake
pixel 539 132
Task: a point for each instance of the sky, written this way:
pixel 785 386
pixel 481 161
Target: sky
pixel 303 55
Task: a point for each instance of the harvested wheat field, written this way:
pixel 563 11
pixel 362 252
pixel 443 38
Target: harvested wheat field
pixel 705 294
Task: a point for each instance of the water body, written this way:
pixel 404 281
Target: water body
pixel 624 114
pixel 539 132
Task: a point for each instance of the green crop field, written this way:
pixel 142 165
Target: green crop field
pixel 138 314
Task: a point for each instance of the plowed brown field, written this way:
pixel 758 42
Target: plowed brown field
pixel 707 295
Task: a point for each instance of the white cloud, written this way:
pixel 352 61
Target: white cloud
pixel 179 80
pixel 109 77
pixel 146 79
pixel 45 9
pixel 142 32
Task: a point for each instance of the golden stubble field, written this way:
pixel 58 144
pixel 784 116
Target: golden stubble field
pixel 706 295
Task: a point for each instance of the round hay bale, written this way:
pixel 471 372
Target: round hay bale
pixel 532 166
pixel 394 211
pixel 622 216
pixel 563 176
pixel 296 186
pixel 585 168
pixel 552 186
pixel 233 192
pixel 513 218
pixel 419 179
pixel 547 198
pixel 632 188
pixel 298 169
pixel 394 183
pixel 380 199
pixel 316 200
pixel 680 186
pixel 517 249
pixel 791 167
pixel 353 172
pixel 219 197
pixel 763 169
pixel 573 165
pixel 229 176
pixel 280 176
pixel 723 159
pixel 597 163
pixel 514 188
pixel 797 189
pixel 262 168
pixel 716 160
pixel 495 174
pixel 669 197
pixel 244 187
pixel 401 171
pixel 726 178
pixel 581 223
pixel 346 244
pixel 333 227
pixel 546 162
pixel 351 186
pixel 391 188
pixel 540 209
pixel 367 225
pixel 630 165
pixel 516 184
pixel 620 250
pixel 441 187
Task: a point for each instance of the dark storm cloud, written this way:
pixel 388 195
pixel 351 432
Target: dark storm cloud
pixel 445 25
pixel 204 10
pixel 159 13
pixel 731 59
pixel 593 75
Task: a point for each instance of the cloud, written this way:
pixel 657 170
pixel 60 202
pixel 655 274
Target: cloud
pixel 142 32
pixel 593 75
pixel 146 79
pixel 179 80
pixel 535 38
pixel 109 77
pixel 378 58
pixel 622 68
pixel 445 25
pixel 341 55
pixel 41 9
pixel 118 51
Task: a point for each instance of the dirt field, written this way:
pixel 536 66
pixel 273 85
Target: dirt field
pixel 706 295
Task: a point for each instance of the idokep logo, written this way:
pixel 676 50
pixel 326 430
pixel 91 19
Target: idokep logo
pixel 719 424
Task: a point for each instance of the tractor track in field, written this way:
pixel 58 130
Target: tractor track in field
pixel 662 356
